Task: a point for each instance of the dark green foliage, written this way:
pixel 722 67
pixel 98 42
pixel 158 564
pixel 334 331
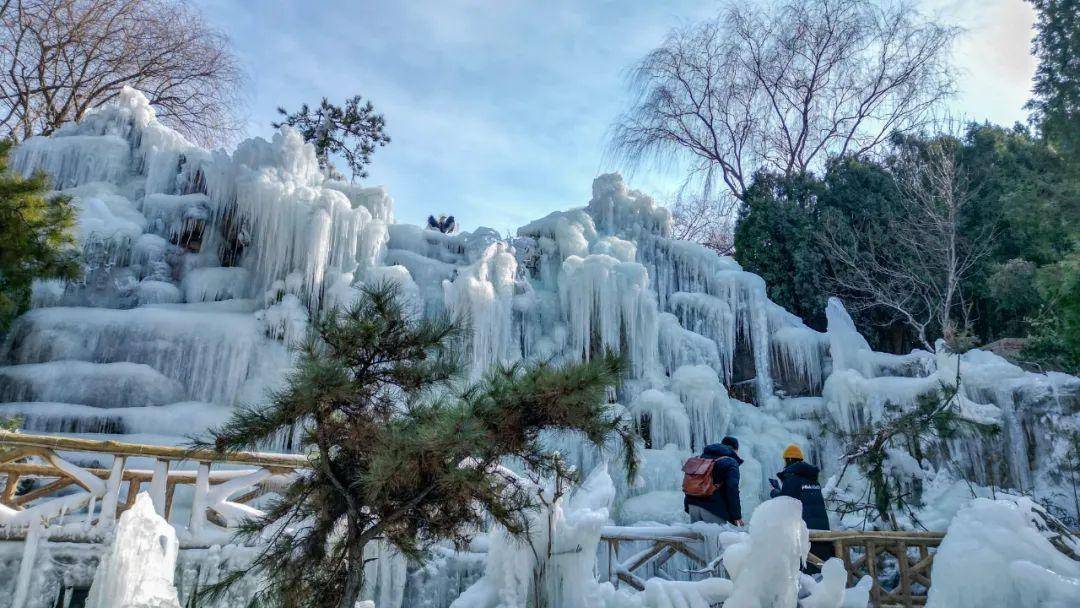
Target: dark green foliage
pixel 778 236
pixel 775 238
pixel 35 238
pixel 1056 101
pixel 1025 204
pixel 353 130
pixel 401 448
pixel 1055 341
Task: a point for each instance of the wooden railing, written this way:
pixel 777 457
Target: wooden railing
pixel 863 553
pixel 48 482
pixel 661 544
pixel 866 552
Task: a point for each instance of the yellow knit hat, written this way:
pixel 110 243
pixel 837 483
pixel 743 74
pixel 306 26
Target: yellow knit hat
pixel 793 451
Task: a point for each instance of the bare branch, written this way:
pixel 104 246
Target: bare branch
pixel 62 57
pixel 783 88
pixel 920 274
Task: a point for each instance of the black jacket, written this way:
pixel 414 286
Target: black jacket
pixel 724 502
pixel 799 480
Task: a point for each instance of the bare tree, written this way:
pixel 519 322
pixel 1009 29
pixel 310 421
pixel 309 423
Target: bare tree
pixel 62 57
pixel 782 88
pixel 917 267
pixel 705 220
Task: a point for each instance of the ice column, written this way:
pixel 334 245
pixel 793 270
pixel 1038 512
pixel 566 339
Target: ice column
pixel 483 293
pixel 607 304
pixel 136 571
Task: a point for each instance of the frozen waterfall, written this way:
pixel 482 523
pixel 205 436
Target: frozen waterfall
pixel 202 268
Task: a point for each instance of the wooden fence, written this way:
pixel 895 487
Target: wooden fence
pixel 76 488
pixel 906 556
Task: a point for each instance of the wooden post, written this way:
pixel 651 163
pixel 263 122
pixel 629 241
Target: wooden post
pixel 614 551
pixel 112 490
pixel 841 552
pixel 198 501
pixel 133 492
pixel 905 573
pixel 871 569
pixel 170 489
pixel 10 488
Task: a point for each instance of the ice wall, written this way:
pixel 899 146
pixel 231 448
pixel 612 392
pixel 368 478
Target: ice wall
pixel 202 268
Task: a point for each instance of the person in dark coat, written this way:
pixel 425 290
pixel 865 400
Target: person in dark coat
pixel 724 505
pixel 799 480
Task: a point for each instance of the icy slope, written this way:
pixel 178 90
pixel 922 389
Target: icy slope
pixel 202 268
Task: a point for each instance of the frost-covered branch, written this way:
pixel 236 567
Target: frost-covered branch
pixel 918 266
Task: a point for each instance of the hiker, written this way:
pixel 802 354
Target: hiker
pixel 799 480
pixel 711 484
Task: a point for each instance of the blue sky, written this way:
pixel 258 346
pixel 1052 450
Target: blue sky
pixel 498 110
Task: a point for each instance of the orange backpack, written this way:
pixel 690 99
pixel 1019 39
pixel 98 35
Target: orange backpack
pixel 697 477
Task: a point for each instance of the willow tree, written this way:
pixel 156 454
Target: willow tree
pixel 782 86
pixel 402 450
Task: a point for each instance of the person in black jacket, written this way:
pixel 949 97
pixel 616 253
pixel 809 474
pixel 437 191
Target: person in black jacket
pixel 799 480
pixel 724 505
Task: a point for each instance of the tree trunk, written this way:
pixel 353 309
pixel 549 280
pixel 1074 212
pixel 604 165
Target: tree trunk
pixel 354 569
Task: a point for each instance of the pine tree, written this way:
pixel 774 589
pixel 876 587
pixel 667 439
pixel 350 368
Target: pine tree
pixel 35 238
pixel 353 130
pixel 1056 101
pixel 401 449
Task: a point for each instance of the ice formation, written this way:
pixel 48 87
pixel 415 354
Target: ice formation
pixel 999 553
pixel 136 571
pixel 202 268
pixel 765 565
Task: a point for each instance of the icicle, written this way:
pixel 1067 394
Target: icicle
pixel 679 347
pixel 706 402
pixel 665 416
pixel 607 304
pixel 483 294
pixel 26 565
pixel 711 317
pixel 799 352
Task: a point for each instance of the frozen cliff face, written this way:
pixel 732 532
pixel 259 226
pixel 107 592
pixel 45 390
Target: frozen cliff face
pixel 203 267
pixel 136 571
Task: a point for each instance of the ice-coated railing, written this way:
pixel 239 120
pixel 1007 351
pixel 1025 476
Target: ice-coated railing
pixel 907 554
pixel 75 489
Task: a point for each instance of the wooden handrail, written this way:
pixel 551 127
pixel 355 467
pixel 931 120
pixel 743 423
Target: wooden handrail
pixel 882 535
pixel 858 549
pixel 118 448
pixel 46 471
